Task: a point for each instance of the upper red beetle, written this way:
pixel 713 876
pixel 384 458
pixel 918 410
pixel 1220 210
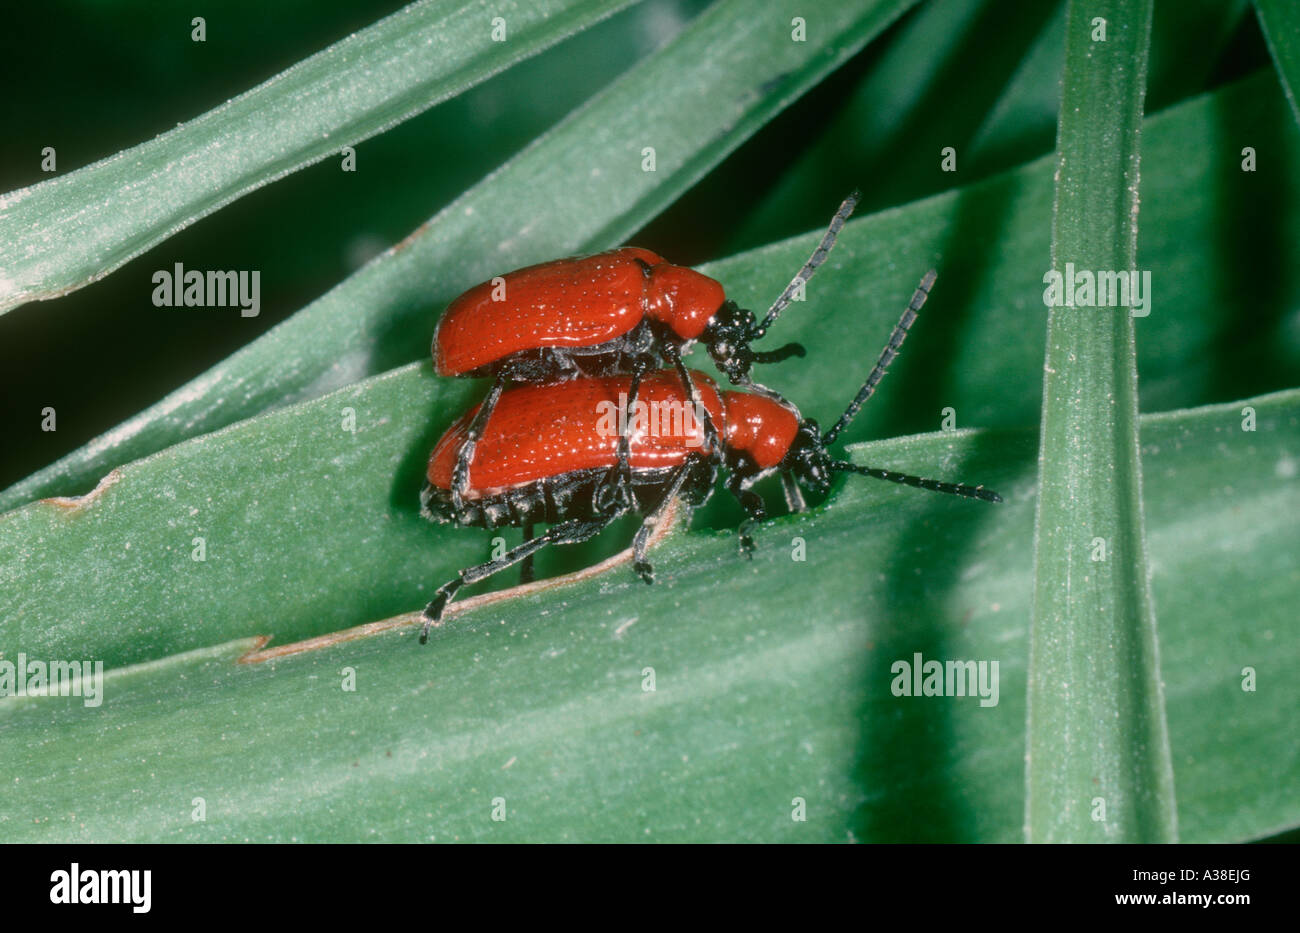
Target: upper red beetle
pixel 624 311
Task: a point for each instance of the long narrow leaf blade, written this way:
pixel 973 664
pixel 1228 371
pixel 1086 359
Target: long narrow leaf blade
pixel 1098 758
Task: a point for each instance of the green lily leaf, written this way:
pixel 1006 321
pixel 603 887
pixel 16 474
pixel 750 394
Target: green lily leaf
pixel 721 703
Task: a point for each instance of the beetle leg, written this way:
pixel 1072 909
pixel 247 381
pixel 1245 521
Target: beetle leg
pixel 526 565
pixel 625 442
pixel 793 494
pixel 574 531
pixel 614 491
pixel 752 503
pixel 641 542
pixel 465 456
pixel 710 431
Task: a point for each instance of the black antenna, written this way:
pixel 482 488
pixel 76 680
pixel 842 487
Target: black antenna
pixel 956 489
pixel 877 373
pixel 886 357
pixel 818 257
pixel 779 354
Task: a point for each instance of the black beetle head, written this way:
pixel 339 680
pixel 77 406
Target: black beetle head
pixel 808 460
pixel 727 337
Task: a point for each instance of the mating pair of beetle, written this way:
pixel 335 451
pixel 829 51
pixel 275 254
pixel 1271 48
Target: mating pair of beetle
pixel 564 339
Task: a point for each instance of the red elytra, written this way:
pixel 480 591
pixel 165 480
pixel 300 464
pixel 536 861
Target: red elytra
pixel 539 432
pixel 571 304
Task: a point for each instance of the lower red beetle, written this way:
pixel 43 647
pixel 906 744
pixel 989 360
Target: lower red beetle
pixel 550 453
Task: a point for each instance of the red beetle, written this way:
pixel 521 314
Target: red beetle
pixel 624 311
pixel 551 453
